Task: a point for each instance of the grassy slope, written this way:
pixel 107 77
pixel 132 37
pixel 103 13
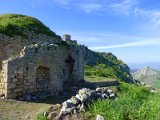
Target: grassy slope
pixel 106 65
pixel 133 103
pixel 15 24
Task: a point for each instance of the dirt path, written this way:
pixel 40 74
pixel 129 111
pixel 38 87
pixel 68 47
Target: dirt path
pixel 13 110
pixel 18 110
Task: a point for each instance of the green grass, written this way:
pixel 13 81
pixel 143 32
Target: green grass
pixel 15 24
pixel 133 103
pixel 41 117
pixel 97 79
pixel 104 71
pixel 94 78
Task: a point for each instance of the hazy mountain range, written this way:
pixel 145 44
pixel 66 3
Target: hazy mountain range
pixel 136 66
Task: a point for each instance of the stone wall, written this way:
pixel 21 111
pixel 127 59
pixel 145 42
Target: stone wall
pixel 11 46
pixel 41 71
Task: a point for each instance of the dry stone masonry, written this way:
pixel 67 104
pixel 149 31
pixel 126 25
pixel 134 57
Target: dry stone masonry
pixel 78 103
pixel 38 66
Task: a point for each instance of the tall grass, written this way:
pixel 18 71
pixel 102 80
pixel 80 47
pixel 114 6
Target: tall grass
pixel 133 103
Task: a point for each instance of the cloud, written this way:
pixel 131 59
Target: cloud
pixel 153 15
pixel 124 7
pixel 112 7
pixel 155 42
pixel 91 7
pixel 119 6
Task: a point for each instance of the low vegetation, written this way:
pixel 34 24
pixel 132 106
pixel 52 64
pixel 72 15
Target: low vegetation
pixel 40 116
pixel 133 103
pixel 106 65
pixel 104 71
pixel 15 24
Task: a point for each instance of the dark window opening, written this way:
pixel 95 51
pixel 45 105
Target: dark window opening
pixel 64 72
pixel 27 68
pixel 69 68
pixel 42 77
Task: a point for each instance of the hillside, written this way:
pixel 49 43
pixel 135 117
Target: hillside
pixel 106 65
pixel 17 24
pixel 148 75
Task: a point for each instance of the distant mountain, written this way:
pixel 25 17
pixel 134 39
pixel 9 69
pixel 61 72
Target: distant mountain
pixel 135 66
pixel 148 75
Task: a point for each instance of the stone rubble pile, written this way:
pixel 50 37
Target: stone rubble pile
pixel 77 103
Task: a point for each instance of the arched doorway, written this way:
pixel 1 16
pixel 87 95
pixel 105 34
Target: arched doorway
pixel 69 68
pixel 42 77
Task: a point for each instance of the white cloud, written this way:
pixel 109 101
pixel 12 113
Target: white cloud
pixel 123 7
pixel 153 15
pixel 91 7
pixel 120 7
pixel 152 42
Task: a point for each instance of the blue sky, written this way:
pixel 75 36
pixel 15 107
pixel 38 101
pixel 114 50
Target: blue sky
pixel 130 29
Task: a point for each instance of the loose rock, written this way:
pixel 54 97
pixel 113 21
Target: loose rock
pixel 99 117
pixel 76 104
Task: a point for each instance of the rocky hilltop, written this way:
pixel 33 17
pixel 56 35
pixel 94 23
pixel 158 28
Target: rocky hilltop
pixel 147 75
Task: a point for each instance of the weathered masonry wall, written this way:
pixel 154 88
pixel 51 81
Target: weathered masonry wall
pixel 41 70
pixel 12 46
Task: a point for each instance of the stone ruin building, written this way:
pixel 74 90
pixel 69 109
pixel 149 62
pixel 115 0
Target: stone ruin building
pixel 38 66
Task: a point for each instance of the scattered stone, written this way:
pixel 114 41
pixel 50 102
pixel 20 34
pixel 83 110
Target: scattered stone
pixel 75 100
pixel 99 117
pixel 77 104
pixel 112 96
pixel 51 115
pixel 82 108
pixel 68 104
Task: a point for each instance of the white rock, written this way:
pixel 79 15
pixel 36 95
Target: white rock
pixel 110 91
pixel 112 95
pixel 99 117
pixel 78 96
